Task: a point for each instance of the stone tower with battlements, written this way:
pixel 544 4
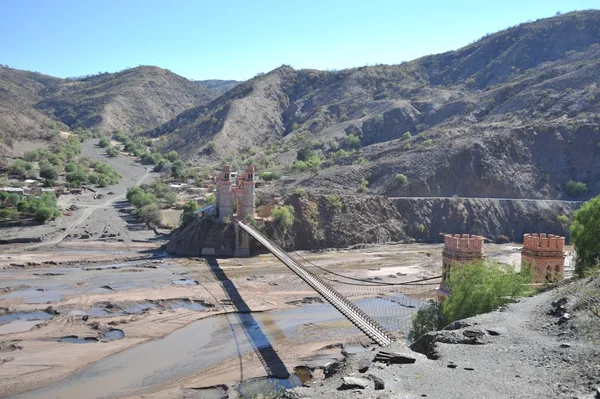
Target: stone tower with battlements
pixel 458 249
pixel 236 198
pixel 546 254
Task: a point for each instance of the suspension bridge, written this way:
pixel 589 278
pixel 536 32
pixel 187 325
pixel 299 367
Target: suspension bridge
pixel 373 329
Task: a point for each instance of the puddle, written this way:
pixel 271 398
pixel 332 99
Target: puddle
pixel 34 296
pixel 7 318
pixel 113 335
pixel 267 387
pixel 185 281
pixel 353 349
pixel 139 307
pixel 74 339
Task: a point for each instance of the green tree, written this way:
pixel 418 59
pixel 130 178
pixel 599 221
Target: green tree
pixel 406 136
pixel 483 286
pixel 151 215
pixel 48 172
pixel 284 216
pixel 304 154
pixel 188 213
pixel 172 155
pixel 178 169
pixel 210 199
pixel 400 178
pixel 585 234
pixel 170 198
pixel 428 143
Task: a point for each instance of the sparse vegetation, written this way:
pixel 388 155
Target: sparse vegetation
pixel 42 208
pixel 188 213
pixel 477 287
pixel 576 188
pixel 406 136
pixel 363 186
pixel 428 142
pixel 284 216
pixel 402 179
pixel 585 231
pixel 335 201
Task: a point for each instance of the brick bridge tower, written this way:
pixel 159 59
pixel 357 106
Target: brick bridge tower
pixel 546 254
pixel 458 249
pixel 241 192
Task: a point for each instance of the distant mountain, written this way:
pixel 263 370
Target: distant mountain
pixel 222 86
pixel 34 106
pixel 133 100
pixel 513 114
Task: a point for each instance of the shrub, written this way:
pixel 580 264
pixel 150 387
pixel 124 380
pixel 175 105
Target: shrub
pixel 112 152
pixel 335 202
pixel 172 155
pixel 211 146
pixel 406 146
pixel 406 136
pixel 352 141
pixel 428 142
pixel 585 231
pixel 104 142
pixel 576 188
pixel 304 154
pixel 188 213
pixel 284 216
pixel 400 178
pixel 428 318
pixel 300 191
pixel 170 198
pixel 363 186
pixel 268 176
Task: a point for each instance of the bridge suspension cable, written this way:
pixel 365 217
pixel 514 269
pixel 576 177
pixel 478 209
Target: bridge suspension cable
pixel 360 319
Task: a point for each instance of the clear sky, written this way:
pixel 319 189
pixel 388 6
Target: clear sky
pixel 230 39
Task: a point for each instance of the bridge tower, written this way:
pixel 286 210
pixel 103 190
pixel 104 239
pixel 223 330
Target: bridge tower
pixel 458 249
pixel 224 197
pixel 546 254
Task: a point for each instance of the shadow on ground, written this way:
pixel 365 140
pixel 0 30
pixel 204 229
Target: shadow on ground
pixel 259 341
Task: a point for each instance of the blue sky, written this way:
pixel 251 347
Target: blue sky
pixel 230 39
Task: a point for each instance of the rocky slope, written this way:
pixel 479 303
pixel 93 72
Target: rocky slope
pixel 322 221
pixel 537 350
pixel 133 100
pixel 514 114
pixel 427 219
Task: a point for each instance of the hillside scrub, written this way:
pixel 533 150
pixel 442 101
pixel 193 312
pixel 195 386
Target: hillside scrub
pixel 477 287
pixel 188 213
pixel 576 188
pixel 585 232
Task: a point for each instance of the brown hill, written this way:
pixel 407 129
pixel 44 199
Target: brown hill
pixel 514 114
pixel 19 91
pixel 133 100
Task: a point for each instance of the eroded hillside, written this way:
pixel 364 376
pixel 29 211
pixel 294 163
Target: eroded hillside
pixel 514 114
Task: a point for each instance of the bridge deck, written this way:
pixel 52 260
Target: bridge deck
pixel 360 319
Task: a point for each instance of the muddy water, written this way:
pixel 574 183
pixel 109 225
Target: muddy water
pixel 195 347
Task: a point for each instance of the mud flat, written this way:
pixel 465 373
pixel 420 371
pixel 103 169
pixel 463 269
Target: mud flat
pixel 178 335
